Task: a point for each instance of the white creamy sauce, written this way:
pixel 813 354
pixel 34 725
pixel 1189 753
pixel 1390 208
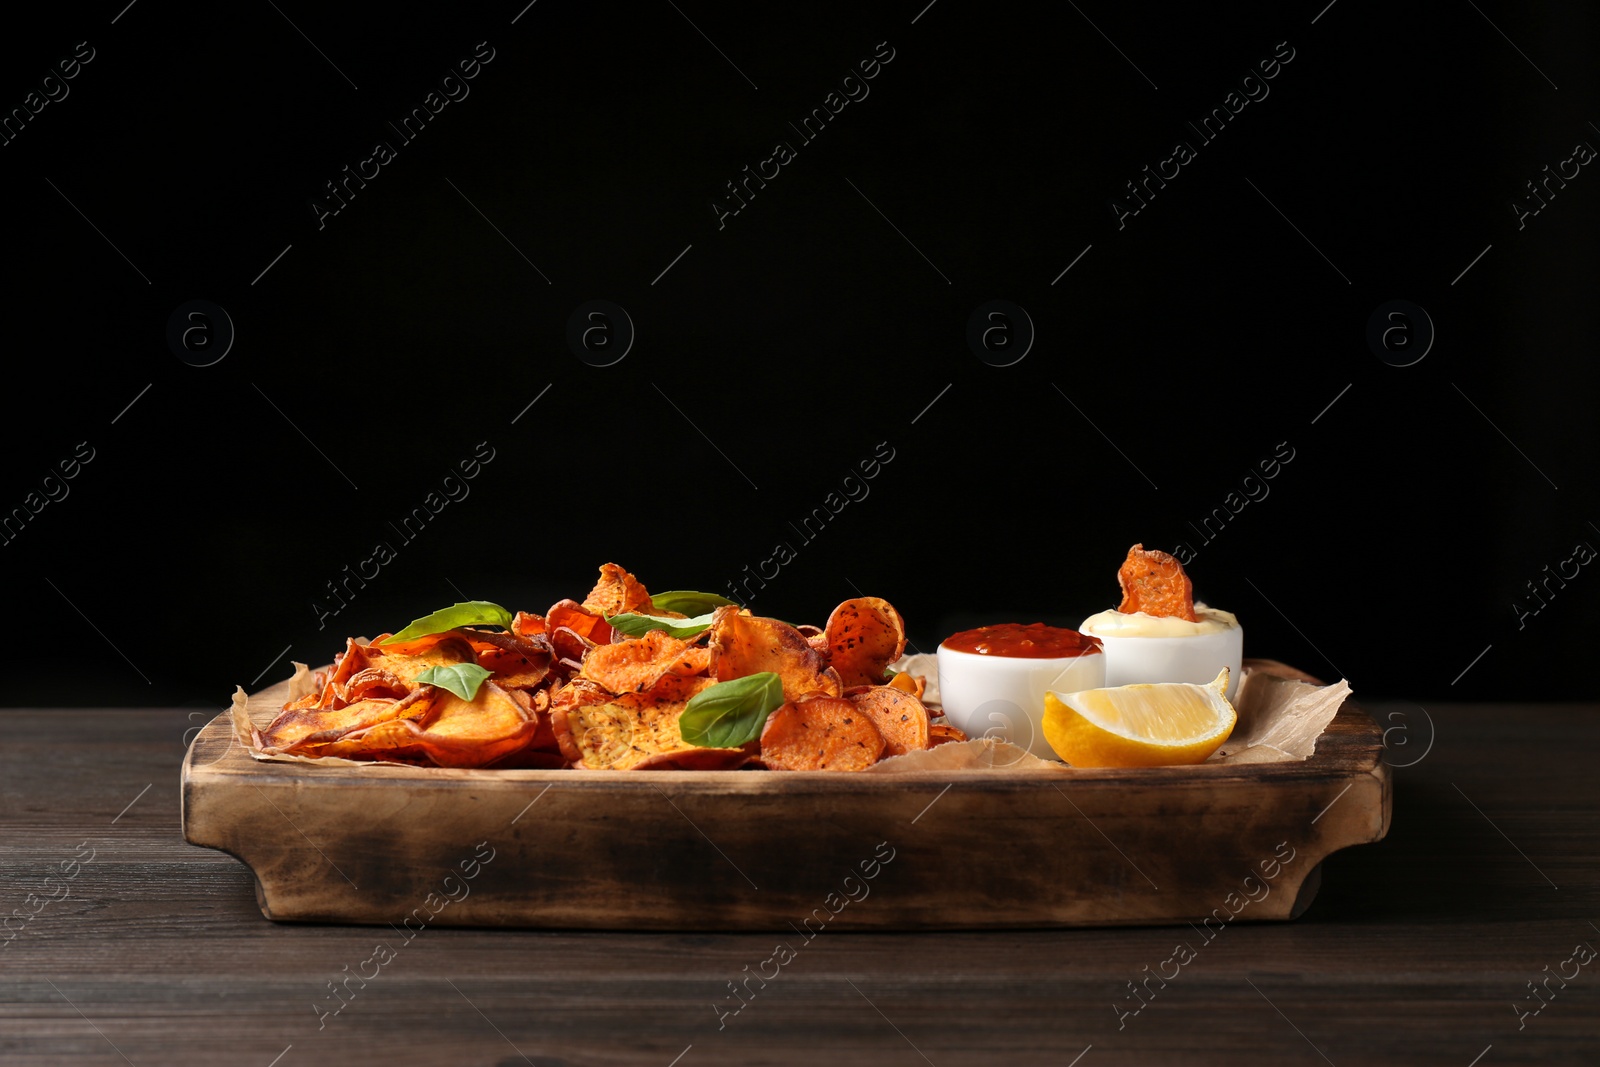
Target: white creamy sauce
pixel 1137 624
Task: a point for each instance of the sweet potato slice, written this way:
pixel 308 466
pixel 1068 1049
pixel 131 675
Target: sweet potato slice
pixel 536 703
pixel 312 699
pixel 474 641
pixel 504 640
pixel 592 729
pixel 617 591
pixel 346 665
pixel 419 645
pixel 899 717
pixel 393 741
pixel 820 733
pixel 405 668
pixel 829 683
pixel 742 645
pixel 517 668
pixel 300 731
pixel 573 629
pixel 865 635
pixel 579 619
pixel 1153 582
pixel 570 697
pixel 906 682
pixel 370 683
pixel 943 734
pixel 463 733
pixel 454 733
pixel 634 727
pixel 635 665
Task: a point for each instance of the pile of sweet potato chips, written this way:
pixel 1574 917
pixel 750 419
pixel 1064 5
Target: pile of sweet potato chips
pixel 566 690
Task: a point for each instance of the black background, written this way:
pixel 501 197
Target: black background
pixel 1174 356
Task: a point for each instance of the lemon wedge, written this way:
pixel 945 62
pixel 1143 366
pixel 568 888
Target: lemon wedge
pixel 1153 725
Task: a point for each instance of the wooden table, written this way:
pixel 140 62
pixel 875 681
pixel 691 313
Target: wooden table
pixel 1418 950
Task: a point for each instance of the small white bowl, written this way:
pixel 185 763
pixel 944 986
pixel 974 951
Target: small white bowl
pixel 1003 696
pixel 1132 659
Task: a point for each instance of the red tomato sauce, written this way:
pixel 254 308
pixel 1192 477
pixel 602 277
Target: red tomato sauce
pixel 1025 641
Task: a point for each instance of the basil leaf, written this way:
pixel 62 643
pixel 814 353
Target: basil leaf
pixel 688 602
pixel 638 625
pixel 467 613
pixel 462 679
pixel 731 713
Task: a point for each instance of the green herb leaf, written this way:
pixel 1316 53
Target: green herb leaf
pixel 688 602
pixel 462 679
pixel 467 613
pixel 638 625
pixel 731 713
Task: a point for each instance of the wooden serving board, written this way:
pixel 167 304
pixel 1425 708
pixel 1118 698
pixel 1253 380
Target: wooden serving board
pixel 767 850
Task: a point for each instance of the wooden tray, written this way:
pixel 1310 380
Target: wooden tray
pixel 754 850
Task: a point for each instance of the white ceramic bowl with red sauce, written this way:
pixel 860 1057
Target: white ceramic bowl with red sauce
pixel 992 680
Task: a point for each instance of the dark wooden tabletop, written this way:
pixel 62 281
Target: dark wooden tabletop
pixel 1444 944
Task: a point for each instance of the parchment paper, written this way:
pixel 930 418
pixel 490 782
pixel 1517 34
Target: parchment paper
pixel 1280 720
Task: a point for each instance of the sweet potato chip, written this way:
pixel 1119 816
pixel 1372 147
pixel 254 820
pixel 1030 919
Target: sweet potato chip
pixel 617 591
pixel 372 682
pixel 899 717
pixel 1153 582
pixel 394 740
pixel 462 733
pixel 310 700
pixel 578 619
pixel 533 701
pixel 347 664
pixel 831 684
pixel 573 629
pixel 749 644
pixel 943 734
pixel 632 728
pixel 536 703
pixel 299 731
pixel 820 733
pixel 475 641
pixel 865 635
pixel 515 670
pixel 906 682
pixel 635 665
pixel 571 696
pixel 505 641
pixel 406 668
pixel 518 662
pixel 454 733
pixel 419 645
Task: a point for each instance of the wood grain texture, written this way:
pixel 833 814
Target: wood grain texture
pixel 1412 954
pixel 730 850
